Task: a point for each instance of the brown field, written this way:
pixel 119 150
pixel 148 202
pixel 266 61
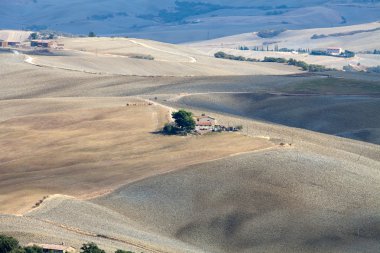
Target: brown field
pixel 84 152
pixel 68 132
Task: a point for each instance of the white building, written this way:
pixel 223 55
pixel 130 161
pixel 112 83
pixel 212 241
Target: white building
pixel 334 51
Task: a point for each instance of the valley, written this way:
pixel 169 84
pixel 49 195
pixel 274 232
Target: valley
pixel 83 158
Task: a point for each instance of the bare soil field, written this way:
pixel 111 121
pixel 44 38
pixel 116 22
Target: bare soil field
pixel 85 152
pixel 117 56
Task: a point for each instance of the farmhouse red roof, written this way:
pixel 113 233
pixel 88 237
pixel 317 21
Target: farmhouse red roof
pixel 204 123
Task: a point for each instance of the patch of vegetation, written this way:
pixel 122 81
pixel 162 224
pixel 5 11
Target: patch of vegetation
pixel 345 54
pixel 183 123
pixel 11 245
pixel 33 36
pixel 274 13
pixel 100 17
pixel 243 48
pixel 274 59
pixel 374 69
pixel 91 34
pixel 183 10
pixel 91 248
pixel 142 57
pixel 8 244
pixel 303 65
pixel 223 55
pixel 321 36
pixel 270 33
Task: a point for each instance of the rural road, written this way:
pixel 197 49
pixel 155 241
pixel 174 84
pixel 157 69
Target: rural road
pixel 192 59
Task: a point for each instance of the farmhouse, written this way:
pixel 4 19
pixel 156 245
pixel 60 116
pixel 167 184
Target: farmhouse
pixel 53 248
pixel 204 123
pixel 3 43
pixel 334 50
pixel 43 43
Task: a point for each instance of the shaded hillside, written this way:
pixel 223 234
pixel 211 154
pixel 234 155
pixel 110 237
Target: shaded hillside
pixel 350 116
pixel 270 201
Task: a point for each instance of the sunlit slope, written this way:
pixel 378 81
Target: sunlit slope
pixel 132 57
pixel 94 148
pixel 358 38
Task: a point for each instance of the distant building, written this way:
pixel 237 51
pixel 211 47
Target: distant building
pixel 3 43
pixel 43 43
pixel 54 248
pixel 334 51
pixel 60 46
pixel 204 123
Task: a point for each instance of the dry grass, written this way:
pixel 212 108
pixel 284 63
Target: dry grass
pixel 113 56
pixel 87 152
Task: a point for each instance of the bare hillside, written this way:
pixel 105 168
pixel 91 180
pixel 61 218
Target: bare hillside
pixel 182 21
pixel 358 38
pixel 132 57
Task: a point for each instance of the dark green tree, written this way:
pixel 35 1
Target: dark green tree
pixel 123 251
pixel 32 249
pixel 184 120
pixel 91 248
pixel 33 36
pixel 8 244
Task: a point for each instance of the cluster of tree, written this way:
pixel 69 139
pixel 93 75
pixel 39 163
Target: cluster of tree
pixel 33 36
pixel 374 69
pixel 183 123
pixel 142 57
pixel 223 55
pixel 270 33
pixel 91 34
pixel 345 54
pixel 93 248
pixel 321 36
pixel 276 48
pixel 11 245
pixel 375 51
pixel 243 48
pixel 305 66
pixel 274 13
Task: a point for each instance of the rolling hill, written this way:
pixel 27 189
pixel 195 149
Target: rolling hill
pixel 81 158
pixel 358 38
pixel 181 21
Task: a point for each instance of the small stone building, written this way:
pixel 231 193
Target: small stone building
pixel 54 248
pixel 204 123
